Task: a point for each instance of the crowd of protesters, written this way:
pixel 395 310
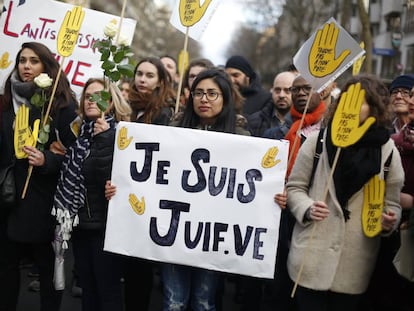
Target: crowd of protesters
pixel 344 268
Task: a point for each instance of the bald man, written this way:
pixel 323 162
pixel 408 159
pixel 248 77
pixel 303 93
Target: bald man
pixel 274 118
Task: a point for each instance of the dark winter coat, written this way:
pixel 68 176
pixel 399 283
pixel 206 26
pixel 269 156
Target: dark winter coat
pixel 265 121
pixel 97 170
pixel 255 97
pixel 31 220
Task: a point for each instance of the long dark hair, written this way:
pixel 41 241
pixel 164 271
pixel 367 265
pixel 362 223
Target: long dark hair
pixel 226 120
pixel 153 103
pixel 63 91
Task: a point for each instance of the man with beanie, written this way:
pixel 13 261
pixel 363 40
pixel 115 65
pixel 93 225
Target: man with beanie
pixel 400 90
pixel 248 83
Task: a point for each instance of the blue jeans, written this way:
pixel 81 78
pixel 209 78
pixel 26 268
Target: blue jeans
pixel 183 284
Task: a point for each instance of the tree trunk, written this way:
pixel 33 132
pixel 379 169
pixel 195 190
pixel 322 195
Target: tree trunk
pixel 366 35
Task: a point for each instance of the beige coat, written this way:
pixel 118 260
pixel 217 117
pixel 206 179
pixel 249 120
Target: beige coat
pixel 339 257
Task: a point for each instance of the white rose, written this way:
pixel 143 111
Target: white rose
pixel 43 80
pixel 110 29
pixel 123 39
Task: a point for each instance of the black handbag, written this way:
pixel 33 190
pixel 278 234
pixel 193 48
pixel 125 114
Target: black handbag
pixel 7 187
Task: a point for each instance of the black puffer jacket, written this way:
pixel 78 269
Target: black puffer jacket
pixel 97 170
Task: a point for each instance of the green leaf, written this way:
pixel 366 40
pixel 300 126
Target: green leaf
pixel 113 48
pixel 108 65
pixel 105 95
pixel 46 128
pixel 36 100
pixel 105 54
pixel 102 105
pixel 114 76
pixel 119 56
pixel 95 97
pixel 43 136
pixel 126 70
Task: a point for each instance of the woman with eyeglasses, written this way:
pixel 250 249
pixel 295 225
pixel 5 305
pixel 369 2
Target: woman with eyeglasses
pixel 211 107
pixel 400 95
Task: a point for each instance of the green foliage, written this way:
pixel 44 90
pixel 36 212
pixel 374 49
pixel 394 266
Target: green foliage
pixel 117 63
pixel 115 59
pixel 40 101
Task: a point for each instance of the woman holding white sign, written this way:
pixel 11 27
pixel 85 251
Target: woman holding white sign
pixel 211 107
pixel 340 218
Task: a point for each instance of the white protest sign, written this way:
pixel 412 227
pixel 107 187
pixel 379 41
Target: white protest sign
pixel 40 20
pixel 193 15
pixel 326 55
pixel 196 198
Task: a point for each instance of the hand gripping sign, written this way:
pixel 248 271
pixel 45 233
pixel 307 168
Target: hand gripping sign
pixel 23 134
pixel 346 130
pixel 66 41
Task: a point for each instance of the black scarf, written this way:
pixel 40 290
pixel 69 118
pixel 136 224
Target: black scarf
pixel 356 164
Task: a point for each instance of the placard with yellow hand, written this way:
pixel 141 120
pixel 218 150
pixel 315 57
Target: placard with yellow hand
pixel 4 60
pixel 69 31
pixel 23 134
pixel 123 140
pixel 373 206
pixel 356 68
pixel 322 57
pixel 269 159
pixel 191 12
pixel 137 205
pixel 346 129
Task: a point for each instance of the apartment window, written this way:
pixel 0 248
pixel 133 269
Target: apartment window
pixel 409 20
pixel 393 22
pixel 409 67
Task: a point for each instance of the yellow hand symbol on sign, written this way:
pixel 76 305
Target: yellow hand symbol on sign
pixel 191 12
pixel 23 135
pixel 269 159
pixel 123 140
pixel 356 68
pixel 69 31
pixel 322 61
pixel 137 205
pixel 4 61
pixel 346 129
pixel 373 206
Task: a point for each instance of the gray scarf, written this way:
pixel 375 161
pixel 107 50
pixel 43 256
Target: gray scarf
pixel 21 91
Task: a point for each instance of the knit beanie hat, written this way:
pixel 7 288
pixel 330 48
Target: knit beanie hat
pixel 240 63
pixel 403 81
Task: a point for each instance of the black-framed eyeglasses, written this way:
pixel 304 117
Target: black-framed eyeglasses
pixel 296 89
pixel 211 95
pixel 404 93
